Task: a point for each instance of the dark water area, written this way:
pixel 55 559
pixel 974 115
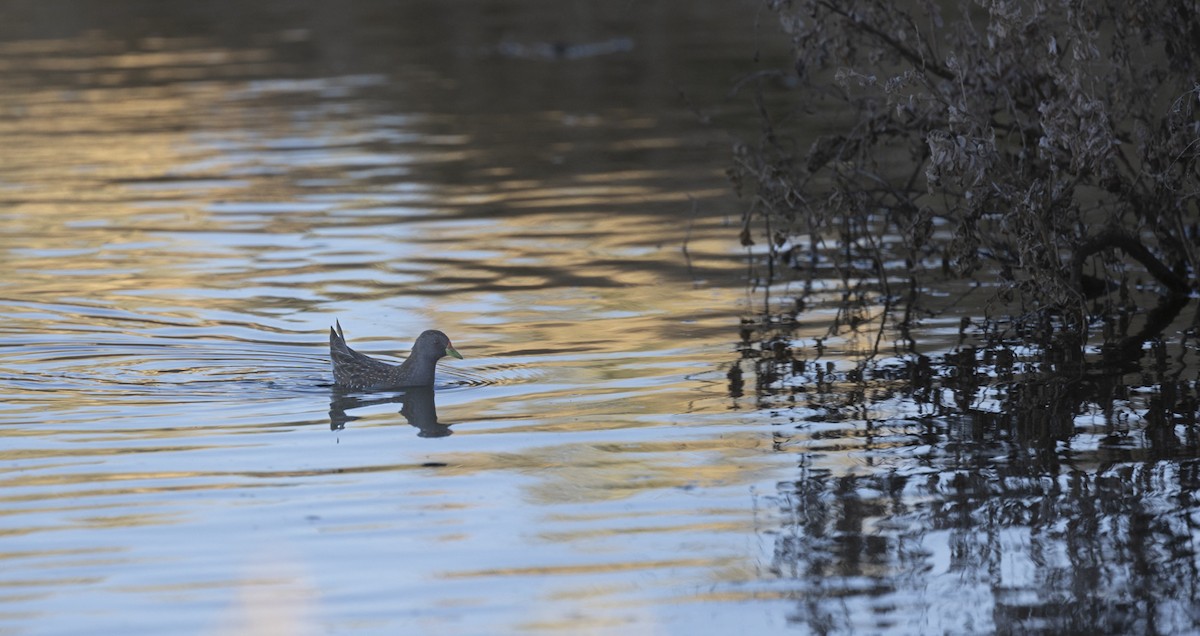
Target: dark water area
pixel 638 440
pixel 983 486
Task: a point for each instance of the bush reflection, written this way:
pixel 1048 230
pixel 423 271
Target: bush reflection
pixel 990 488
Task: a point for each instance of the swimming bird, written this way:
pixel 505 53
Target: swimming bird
pixel 354 370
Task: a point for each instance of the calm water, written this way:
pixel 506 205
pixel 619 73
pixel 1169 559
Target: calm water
pixel 191 196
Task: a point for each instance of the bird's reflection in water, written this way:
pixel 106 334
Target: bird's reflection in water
pixel 418 408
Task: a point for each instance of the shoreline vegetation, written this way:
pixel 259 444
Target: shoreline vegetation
pixel 1041 158
pixel 975 231
pixel 1047 152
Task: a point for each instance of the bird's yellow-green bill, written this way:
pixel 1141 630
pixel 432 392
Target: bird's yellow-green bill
pixel 450 351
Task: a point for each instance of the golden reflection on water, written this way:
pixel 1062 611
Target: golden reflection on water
pixel 599 472
pixel 183 223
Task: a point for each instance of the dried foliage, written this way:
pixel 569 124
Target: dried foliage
pixel 1051 145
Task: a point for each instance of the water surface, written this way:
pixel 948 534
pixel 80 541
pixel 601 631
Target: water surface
pixel 191 195
pixel 197 197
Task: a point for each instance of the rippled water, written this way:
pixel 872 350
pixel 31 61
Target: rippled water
pixel 191 195
pixel 191 199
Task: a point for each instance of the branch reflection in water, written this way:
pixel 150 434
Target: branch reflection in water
pixel 991 483
pixel 418 407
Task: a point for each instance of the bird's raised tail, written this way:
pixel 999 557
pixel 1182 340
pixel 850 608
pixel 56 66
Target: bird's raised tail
pixel 352 369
